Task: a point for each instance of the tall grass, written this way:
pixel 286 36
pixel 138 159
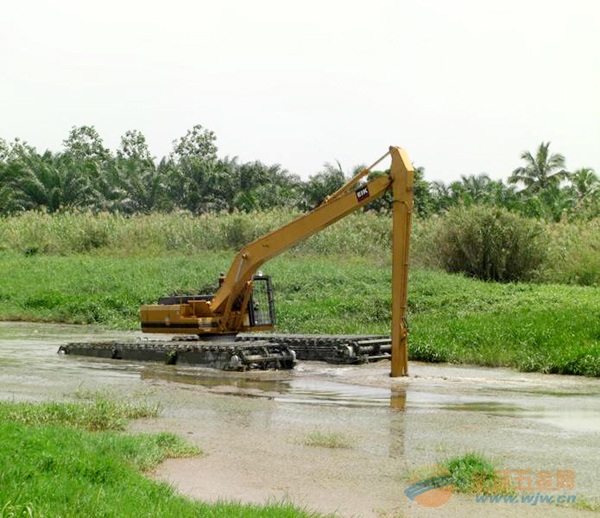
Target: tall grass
pixel 571 251
pixel 34 233
pixel 574 253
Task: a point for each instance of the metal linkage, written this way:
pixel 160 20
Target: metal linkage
pixel 340 349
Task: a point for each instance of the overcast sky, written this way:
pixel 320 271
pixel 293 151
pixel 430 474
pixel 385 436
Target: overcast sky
pixel 465 85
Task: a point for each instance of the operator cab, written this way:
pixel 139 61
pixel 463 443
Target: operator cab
pixel 261 306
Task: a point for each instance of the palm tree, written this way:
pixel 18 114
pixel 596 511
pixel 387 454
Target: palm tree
pixel 477 187
pixel 190 183
pixel 9 174
pixel 53 183
pixel 585 183
pixel 440 196
pixel 321 185
pixel 134 186
pixel 264 186
pixel 540 172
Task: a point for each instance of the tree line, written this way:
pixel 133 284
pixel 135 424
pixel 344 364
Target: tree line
pixel 193 177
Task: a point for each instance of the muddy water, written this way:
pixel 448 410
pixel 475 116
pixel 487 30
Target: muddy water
pixel 253 426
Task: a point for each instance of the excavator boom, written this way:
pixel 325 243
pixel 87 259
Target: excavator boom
pixel 228 312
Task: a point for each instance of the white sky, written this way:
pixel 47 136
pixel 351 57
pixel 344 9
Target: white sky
pixel 465 85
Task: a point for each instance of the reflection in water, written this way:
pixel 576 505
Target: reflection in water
pixel 266 381
pixel 245 416
pixel 324 392
pixel 398 398
pixel 397 421
pixel 280 386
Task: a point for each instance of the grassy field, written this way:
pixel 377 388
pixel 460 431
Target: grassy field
pixel 68 460
pixel 532 327
pixel 572 255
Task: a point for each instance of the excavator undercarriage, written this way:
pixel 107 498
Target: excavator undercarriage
pixel 245 351
pixel 220 354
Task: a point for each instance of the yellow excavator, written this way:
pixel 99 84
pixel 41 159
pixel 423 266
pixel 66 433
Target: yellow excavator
pixel 219 328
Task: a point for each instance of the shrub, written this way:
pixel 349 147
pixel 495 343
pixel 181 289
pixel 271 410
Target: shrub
pixel 574 253
pixel 490 243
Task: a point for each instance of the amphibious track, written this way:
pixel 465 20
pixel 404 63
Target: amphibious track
pixel 219 355
pixel 246 351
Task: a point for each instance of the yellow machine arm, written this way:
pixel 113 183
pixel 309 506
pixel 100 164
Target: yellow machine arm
pixel 226 312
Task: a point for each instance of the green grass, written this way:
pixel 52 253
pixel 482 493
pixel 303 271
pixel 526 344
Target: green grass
pixel 327 440
pixel 52 465
pixel 101 413
pixel 586 504
pixel 547 328
pixel 88 289
pixel 472 473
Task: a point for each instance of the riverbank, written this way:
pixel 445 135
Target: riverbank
pixel 529 327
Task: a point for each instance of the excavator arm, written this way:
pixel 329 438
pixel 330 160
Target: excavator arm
pixel 226 311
